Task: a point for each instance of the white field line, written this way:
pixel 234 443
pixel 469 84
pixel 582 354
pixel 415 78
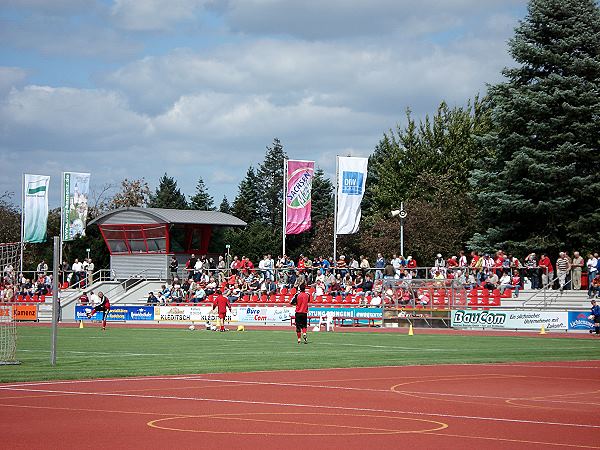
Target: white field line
pixel 301 405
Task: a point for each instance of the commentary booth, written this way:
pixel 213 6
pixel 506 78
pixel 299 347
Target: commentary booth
pixel 141 241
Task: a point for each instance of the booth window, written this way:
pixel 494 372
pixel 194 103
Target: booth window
pixel 140 238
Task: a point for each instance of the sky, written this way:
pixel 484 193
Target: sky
pixel 200 88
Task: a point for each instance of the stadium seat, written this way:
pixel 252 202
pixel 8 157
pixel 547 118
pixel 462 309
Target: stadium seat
pixel 284 291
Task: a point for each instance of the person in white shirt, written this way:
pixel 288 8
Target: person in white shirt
pixel 592 269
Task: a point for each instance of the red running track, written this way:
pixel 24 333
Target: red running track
pixel 492 406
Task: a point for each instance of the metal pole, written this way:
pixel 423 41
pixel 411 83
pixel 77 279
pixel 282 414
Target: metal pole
pixel 55 304
pixel 401 231
pixel 22 220
pixel 335 211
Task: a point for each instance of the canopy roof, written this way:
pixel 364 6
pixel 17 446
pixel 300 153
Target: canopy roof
pixel 169 216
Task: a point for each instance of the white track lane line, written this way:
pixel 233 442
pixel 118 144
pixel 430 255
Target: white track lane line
pixel 300 405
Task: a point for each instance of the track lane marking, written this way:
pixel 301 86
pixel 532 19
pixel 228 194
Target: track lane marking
pixel 301 405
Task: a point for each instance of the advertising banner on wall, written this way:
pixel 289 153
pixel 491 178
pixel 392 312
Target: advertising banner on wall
pixel 510 319
pixel 579 320
pixel 117 313
pixel 299 178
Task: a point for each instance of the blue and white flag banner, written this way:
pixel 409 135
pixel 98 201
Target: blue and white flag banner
pixel 352 178
pixel 35 208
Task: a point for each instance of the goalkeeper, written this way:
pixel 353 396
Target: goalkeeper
pixel 595 317
pixel 103 307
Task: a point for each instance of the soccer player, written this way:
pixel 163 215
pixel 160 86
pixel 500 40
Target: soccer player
pixel 222 304
pixel 301 301
pixel 103 307
pixel 595 316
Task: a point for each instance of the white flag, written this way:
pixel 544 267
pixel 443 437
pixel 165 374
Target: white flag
pixel 35 208
pixel 352 177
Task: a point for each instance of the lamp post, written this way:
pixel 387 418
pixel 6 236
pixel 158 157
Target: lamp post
pixel 402 214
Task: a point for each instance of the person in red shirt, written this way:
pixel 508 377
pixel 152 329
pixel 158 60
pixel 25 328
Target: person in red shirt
pixel 103 307
pixel 222 304
pixel 301 301
pixel 547 271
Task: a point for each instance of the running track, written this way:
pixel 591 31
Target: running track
pixel 495 406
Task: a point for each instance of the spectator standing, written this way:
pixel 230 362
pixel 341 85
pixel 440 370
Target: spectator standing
pixel 379 265
pixel 90 271
pixel 77 268
pixel 563 266
pixel 592 268
pixel 173 267
pixel 576 268
pixel 547 270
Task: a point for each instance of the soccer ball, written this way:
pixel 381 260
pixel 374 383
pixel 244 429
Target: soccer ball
pixel 191 328
pixel 88 310
pixel 213 328
pixel 591 317
pixel 316 329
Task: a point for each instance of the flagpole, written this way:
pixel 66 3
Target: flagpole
pixel 22 220
pixel 335 211
pixel 285 171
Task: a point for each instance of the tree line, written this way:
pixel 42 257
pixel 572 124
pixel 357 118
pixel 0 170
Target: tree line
pixel 516 169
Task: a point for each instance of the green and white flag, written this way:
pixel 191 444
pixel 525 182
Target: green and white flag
pixel 76 188
pixel 35 208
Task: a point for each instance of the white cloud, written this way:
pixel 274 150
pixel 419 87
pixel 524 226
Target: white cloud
pixel 59 36
pixel 11 77
pixel 154 15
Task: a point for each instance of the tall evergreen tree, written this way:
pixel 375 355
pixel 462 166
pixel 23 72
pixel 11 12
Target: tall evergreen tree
pixel 225 207
pixel 202 200
pixel 424 159
pixel 539 191
pixel 270 181
pixel 167 195
pixel 245 205
pixel 321 197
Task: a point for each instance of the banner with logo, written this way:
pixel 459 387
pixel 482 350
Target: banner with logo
pixel 579 320
pixel 76 188
pixel 352 178
pixel 299 178
pixel 35 208
pixel 117 313
pixel 510 319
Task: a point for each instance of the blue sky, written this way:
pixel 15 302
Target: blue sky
pixel 199 88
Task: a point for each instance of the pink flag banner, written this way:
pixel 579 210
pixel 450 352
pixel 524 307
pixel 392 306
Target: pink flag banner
pixel 298 196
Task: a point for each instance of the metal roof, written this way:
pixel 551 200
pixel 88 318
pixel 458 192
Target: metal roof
pixel 189 216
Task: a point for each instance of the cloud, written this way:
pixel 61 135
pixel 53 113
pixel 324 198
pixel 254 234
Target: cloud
pixel 315 19
pixel 154 15
pixel 60 36
pixel 11 77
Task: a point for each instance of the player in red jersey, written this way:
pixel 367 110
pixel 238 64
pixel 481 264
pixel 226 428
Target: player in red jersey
pixel 103 307
pixel 222 304
pixel 301 301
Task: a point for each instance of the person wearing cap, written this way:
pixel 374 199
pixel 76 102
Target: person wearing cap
pixel 595 317
pixel 152 300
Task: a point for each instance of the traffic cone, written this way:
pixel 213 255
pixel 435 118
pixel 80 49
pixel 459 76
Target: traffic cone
pixel 543 330
pixel 410 330
pixel 81 324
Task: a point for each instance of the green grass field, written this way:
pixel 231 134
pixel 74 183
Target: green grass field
pixel 120 352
